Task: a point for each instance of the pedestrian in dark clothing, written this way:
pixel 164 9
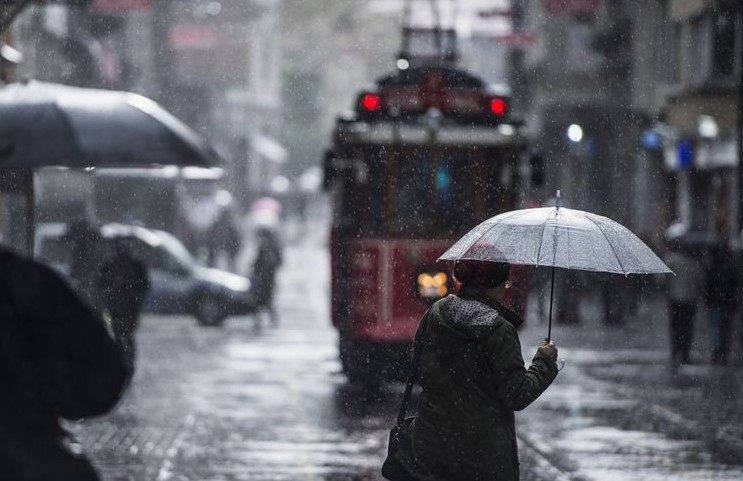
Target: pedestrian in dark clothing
pixel 224 239
pixel 124 284
pixel 263 277
pixel 473 379
pixel 86 253
pixel 720 296
pixel 684 294
pixel 57 360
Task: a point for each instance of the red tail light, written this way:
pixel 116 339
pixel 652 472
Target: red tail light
pixel 370 102
pixel 498 106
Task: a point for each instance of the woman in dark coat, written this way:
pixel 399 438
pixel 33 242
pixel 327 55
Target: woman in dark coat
pixel 473 379
pixel 721 298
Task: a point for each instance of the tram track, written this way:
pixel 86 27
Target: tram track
pixel 547 466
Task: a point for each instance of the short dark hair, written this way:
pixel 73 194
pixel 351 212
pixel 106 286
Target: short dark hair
pixel 481 274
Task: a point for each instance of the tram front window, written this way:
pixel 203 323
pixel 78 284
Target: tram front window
pixel 416 194
pixel 411 197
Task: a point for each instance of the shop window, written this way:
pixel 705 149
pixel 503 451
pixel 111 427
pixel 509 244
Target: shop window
pixel 723 44
pixel 712 46
pixel 669 53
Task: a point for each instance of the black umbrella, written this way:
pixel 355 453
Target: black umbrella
pixel 45 124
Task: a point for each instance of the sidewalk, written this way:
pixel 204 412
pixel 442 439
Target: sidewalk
pixel 618 411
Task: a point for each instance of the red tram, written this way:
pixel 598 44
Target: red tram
pixel 426 155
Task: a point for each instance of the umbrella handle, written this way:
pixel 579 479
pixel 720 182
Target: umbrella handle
pixel 552 293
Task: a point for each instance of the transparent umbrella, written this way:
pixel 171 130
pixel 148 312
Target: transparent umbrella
pixel 557 237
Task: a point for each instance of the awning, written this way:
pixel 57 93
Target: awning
pixel 716 153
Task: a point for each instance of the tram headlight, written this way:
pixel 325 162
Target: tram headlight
pixel 432 285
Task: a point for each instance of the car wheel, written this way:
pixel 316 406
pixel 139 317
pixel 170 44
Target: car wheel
pixel 209 311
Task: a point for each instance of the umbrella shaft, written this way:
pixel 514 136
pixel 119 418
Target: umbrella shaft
pixel 552 293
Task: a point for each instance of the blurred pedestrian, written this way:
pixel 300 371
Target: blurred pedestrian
pixel 267 261
pixel 473 378
pixel 124 284
pixel 224 240
pixel 57 360
pixel 685 291
pixel 720 295
pixel 86 253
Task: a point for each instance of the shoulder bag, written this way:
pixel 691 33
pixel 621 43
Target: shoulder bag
pixel 400 462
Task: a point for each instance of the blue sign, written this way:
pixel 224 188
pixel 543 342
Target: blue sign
pixel 651 140
pixel 685 152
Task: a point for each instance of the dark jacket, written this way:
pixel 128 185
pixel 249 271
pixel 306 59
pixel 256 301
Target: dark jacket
pixel 267 262
pixel 721 280
pixel 473 379
pixel 124 283
pixel 57 360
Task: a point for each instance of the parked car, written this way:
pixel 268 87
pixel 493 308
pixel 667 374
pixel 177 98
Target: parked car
pixel 178 284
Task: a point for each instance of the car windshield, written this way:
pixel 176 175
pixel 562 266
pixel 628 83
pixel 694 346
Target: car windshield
pixel 176 253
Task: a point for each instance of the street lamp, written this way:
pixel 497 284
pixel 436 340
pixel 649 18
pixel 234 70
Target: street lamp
pixel 707 127
pixel 575 133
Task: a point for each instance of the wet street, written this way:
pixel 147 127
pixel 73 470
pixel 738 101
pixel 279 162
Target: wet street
pixel 250 401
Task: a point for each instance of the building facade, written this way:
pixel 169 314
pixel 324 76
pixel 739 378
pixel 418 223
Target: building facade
pixel 215 65
pixel 701 112
pixel 592 75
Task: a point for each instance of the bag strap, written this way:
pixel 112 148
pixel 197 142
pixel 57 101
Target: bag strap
pixel 414 367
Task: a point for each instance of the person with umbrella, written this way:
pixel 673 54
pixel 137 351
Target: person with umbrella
pixel 473 378
pixel 57 361
pixel 467 350
pixel 721 288
pixel 684 293
pixel 124 282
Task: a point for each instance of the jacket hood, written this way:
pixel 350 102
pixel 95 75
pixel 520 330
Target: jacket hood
pixel 469 317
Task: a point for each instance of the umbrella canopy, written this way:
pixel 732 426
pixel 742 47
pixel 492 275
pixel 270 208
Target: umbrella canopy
pixel 45 124
pixel 557 237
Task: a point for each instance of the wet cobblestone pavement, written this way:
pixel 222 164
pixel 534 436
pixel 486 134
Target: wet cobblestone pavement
pixel 619 412
pixel 243 402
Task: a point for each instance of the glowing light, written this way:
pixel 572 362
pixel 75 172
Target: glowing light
pixel 707 127
pixel 402 64
pixel 432 286
pixel 498 106
pixel 370 102
pixel 425 280
pixel 575 133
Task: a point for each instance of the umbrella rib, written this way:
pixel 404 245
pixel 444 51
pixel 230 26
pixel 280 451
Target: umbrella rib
pixel 609 242
pixel 541 242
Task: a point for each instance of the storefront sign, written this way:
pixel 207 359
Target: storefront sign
pixel 571 7
pixel 517 39
pixel 715 154
pixel 193 37
pixel 113 6
pixel 679 155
